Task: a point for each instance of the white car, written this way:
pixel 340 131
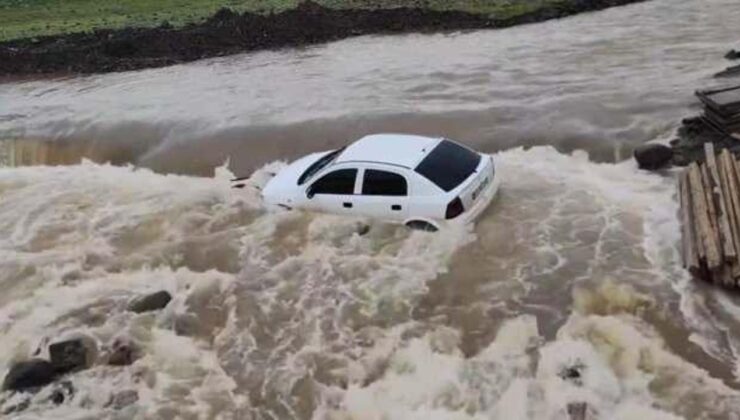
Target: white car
pixel 421 182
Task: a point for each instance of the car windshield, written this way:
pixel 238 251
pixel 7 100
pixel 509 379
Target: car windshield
pixel 320 164
pixel 448 165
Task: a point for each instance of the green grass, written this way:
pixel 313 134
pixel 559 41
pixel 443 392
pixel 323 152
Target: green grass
pixel 32 18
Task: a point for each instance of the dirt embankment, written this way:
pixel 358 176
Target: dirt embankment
pixel 227 33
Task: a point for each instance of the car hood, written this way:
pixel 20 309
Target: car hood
pixel 287 179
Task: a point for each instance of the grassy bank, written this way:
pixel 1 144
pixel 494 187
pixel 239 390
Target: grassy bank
pixel 32 18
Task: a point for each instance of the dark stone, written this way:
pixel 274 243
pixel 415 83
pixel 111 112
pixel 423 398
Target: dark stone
pixel 30 374
pixel 62 392
pixel 57 397
pixel 71 355
pixel 152 302
pixel 653 156
pixel 573 374
pixel 692 134
pixel 732 55
pixel 17 408
pixel 363 229
pixel 123 399
pixel 577 411
pixel 123 352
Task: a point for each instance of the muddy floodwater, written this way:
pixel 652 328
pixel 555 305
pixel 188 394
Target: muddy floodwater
pixel 117 185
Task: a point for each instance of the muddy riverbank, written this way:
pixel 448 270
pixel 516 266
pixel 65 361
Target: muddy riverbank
pixel 228 32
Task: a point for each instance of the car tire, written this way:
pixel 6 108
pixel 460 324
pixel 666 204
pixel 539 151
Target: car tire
pixel 421 225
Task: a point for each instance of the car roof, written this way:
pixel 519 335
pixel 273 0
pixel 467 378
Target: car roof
pixel 393 149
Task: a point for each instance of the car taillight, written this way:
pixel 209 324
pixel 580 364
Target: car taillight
pixel 454 209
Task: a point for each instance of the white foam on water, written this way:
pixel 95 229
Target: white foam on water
pixel 518 376
pixel 296 315
pixel 91 237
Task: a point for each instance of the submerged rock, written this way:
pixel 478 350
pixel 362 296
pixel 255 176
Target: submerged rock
pixel 29 374
pixel 62 392
pixel 152 302
pixel 363 229
pixel 693 133
pixel 73 355
pixel 573 374
pixel 577 411
pixel 653 156
pixel 17 408
pixel 123 352
pixel 123 399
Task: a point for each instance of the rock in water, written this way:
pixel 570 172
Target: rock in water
pixel 62 392
pixel 123 352
pixel 653 156
pixel 577 411
pixel 72 355
pixel 123 399
pixel 573 374
pixel 732 55
pixel 29 374
pixel 152 302
pixel 17 408
pixel 363 229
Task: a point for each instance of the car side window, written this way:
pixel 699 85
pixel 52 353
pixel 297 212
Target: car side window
pixel 339 182
pixel 383 183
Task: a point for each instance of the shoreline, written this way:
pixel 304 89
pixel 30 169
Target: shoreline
pixel 228 33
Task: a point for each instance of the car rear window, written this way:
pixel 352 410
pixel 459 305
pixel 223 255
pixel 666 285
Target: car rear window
pixel 383 183
pixel 448 165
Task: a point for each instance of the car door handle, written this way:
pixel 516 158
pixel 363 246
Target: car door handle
pixel 347 205
pixel 396 207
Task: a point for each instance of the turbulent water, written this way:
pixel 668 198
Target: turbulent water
pixel 574 266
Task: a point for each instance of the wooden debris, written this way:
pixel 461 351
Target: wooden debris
pixel 689 246
pixel 709 196
pixel 718 197
pixel 722 108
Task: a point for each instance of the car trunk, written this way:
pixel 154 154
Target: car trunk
pixel 478 182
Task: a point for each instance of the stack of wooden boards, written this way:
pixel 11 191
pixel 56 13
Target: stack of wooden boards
pixel 722 109
pixel 710 218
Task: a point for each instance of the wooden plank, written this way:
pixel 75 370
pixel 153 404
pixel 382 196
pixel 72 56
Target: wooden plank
pixel 717 193
pixel 701 250
pixel 689 243
pixel 734 175
pixel 731 189
pixel 706 188
pixel 702 217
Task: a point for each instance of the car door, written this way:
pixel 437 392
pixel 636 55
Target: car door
pixel 333 192
pixel 384 193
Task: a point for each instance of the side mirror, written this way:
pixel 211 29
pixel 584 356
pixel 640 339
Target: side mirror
pixel 310 192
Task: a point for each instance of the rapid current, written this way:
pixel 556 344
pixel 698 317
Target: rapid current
pixel 575 265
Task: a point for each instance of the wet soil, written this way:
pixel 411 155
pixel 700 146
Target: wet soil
pixel 228 32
